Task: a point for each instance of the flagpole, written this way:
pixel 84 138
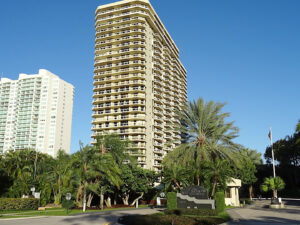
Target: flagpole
pixel 274 174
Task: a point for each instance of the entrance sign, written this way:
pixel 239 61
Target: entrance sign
pixel 194 197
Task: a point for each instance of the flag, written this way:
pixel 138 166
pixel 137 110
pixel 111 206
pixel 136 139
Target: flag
pixel 270 134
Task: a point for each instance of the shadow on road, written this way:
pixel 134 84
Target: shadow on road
pixel 267 220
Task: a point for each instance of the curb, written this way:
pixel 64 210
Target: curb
pixel 24 218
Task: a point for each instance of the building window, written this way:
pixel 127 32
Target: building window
pixel 228 193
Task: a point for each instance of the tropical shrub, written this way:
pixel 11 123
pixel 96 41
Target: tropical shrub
pixel 68 204
pixel 272 184
pixel 171 200
pixel 220 202
pixel 18 203
pixel 246 201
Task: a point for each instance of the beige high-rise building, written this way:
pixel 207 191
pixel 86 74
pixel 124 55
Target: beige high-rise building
pixel 139 81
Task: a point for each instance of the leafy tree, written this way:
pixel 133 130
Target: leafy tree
pixel 247 174
pixel 273 184
pixel 136 181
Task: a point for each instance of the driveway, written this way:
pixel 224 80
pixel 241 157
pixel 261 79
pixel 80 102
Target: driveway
pixel 259 214
pixel 93 218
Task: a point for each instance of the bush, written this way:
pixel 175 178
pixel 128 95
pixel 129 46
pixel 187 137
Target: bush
pixel 246 200
pixel 196 212
pixel 68 204
pixel 171 200
pixel 18 203
pixel 220 202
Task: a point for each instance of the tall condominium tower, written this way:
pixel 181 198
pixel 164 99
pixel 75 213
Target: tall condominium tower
pixel 139 81
pixel 36 113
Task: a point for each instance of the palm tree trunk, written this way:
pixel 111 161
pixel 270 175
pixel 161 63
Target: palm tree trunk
pixel 90 199
pixel 275 193
pixel 115 199
pixel 101 199
pixel 108 202
pixel 84 201
pixel 214 187
pixel 198 180
pixel 177 184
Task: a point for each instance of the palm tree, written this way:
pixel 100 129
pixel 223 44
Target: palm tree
pixel 81 161
pixel 253 155
pixel 59 174
pixel 206 130
pixel 273 184
pixel 298 126
pixel 176 176
pixel 113 144
pixel 219 172
pixel 206 135
pixel 103 168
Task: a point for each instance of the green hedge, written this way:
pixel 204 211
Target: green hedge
pixel 220 202
pixel 18 203
pixel 196 212
pixel 155 219
pixel 171 200
pixel 246 200
pixel 70 204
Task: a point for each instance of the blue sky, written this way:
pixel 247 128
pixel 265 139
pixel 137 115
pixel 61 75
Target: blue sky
pixel 245 53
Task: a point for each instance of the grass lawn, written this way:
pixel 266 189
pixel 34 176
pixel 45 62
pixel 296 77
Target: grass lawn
pixel 52 212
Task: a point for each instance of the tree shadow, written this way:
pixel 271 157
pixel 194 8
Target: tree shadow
pixel 267 220
pixel 100 217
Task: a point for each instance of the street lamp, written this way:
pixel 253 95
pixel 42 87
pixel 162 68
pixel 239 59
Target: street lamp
pixel 32 190
pixel 68 203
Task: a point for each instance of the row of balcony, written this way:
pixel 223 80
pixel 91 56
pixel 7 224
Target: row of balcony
pixel 121 83
pixel 101 113
pixel 120 131
pixel 119 117
pixel 122 89
pixel 108 27
pixel 119 58
pixel 118 104
pixel 118 34
pixel 119 124
pixel 117 97
pixel 102 12
pixel 116 77
pixel 124 14
pixel 119 40
pixel 120 64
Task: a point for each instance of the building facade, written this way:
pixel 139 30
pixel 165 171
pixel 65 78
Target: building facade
pixel 36 113
pixel 139 81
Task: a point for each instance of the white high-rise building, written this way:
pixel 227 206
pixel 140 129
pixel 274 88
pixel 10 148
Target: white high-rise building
pixel 36 112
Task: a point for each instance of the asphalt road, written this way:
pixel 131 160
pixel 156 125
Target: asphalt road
pixel 259 214
pixel 99 218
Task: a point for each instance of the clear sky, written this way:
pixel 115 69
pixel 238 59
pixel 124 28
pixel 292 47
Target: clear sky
pixel 245 53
